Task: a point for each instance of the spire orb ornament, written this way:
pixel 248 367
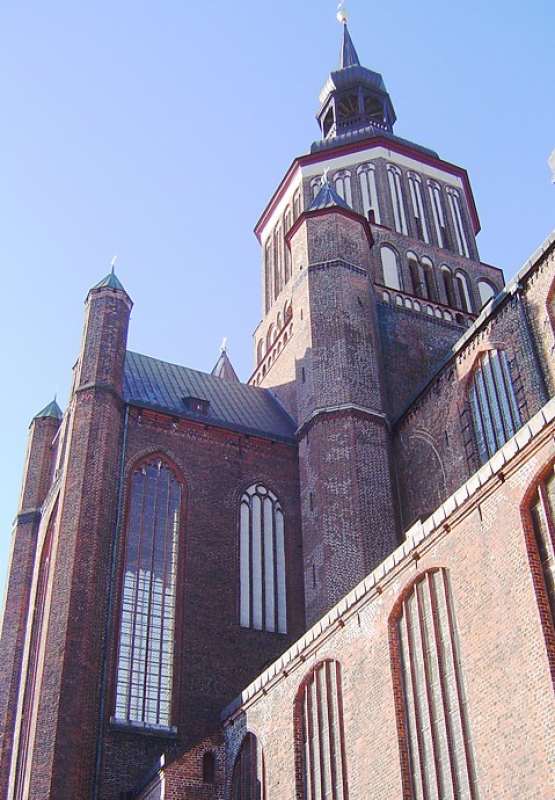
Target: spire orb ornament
pixel 342 15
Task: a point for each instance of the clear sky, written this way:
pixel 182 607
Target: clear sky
pixel 158 130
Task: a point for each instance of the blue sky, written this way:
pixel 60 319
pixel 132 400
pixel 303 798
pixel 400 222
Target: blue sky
pixel 157 132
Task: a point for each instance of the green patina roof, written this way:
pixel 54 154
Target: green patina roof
pixel 51 410
pixel 111 281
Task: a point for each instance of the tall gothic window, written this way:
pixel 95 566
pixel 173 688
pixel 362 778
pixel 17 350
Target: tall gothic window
pixel 342 182
pixel 396 191
pixel 543 523
pixel 438 214
pixel 415 187
pixel 431 710
pixel 315 186
pixel 367 181
pixel 456 213
pixel 146 634
pixel 493 403
pixel 321 756
pixel 247 781
pixel 390 267
pixel 262 561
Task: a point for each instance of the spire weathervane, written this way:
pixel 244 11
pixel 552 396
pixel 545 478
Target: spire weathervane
pixel 223 346
pixel 113 264
pixel 342 15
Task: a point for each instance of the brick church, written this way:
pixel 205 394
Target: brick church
pixel 335 581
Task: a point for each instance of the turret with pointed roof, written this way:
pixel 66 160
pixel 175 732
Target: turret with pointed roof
pixel 354 100
pixel 224 368
pixel 51 410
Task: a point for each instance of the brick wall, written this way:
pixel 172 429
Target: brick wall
pixel 215 656
pixel 482 545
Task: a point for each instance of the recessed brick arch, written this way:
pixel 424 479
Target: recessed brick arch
pixel 535 494
pixel 318 707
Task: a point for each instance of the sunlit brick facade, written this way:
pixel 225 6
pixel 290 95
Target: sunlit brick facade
pixel 334 581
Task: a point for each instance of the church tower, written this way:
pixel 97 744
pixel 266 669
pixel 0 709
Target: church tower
pixel 369 260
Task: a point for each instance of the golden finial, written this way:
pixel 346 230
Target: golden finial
pixel 342 15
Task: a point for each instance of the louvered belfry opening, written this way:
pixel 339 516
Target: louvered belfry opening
pixel 246 784
pixel 436 752
pixel 146 636
pixel 323 774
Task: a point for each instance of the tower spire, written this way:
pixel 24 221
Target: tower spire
pixel 349 55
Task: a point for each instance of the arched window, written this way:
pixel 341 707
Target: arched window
pixel 429 281
pixel 414 274
pixel 493 403
pixel 315 185
pixel 448 287
pixel 390 267
pixel 458 225
pixel 320 739
pixel 465 303
pixel 287 223
pixel 208 767
pixel 262 561
pixel 396 191
pixel 270 337
pixel 278 260
pixel 260 351
pixel 288 312
pixel 146 634
pixel 415 187
pixel 268 274
pixel 297 205
pixel 367 181
pixel 246 782
pixel 486 292
pixel 542 512
pixel 438 214
pixel 432 716
pixel 342 182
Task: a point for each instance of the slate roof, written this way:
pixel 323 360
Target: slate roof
pixel 349 55
pixel 151 383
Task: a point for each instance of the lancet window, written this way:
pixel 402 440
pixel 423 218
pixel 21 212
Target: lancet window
pixel 415 187
pixel 319 713
pixel 465 302
pixel 438 214
pixel 495 412
pixel 147 618
pixel 263 601
pixel 458 225
pixel 432 714
pixel 367 181
pixel 343 186
pixel 396 191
